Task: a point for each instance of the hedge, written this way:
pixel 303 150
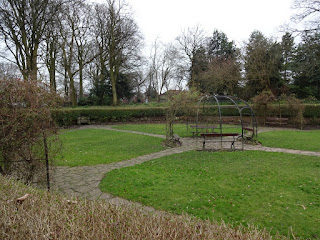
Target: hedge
pixel 312 111
pixel 69 116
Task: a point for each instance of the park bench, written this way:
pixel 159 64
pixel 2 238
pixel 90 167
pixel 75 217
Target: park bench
pixel 232 140
pixel 176 138
pixel 83 120
pixel 276 121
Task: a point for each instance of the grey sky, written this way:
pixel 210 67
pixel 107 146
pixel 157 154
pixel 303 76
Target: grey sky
pixel 237 18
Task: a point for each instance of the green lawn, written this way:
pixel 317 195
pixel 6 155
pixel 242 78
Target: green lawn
pixel 180 129
pixel 97 146
pixel 272 190
pixel 300 140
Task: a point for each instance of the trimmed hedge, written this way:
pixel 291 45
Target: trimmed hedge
pixel 312 111
pixel 69 116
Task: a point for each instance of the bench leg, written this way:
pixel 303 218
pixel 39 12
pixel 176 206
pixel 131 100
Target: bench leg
pixel 232 145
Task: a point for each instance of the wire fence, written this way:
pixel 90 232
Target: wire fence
pixel 33 171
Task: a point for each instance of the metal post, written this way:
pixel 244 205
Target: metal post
pixel 47 159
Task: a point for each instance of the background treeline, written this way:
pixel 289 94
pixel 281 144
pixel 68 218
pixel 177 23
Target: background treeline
pixel 91 54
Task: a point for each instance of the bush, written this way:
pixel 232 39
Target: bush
pixel 26 122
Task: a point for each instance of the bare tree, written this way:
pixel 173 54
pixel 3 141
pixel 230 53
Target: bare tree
pixel 163 66
pixel 309 13
pixel 190 41
pixel 123 40
pixel 84 43
pixel 22 28
pixel 139 78
pixel 74 44
pixel 49 53
pixel 67 28
pixel 97 69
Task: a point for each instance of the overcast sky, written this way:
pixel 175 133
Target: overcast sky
pixel 237 18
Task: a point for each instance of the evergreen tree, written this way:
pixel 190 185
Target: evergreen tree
pixel 307 67
pixel 215 66
pixel 263 62
pixel 220 47
pixel 287 46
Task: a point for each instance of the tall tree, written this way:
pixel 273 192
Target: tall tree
pixel 49 53
pixel 98 71
pixel 191 41
pixel 74 44
pixel 198 69
pixel 307 67
pixel 263 61
pixel 84 43
pixel 287 45
pixel 223 74
pixel 163 65
pixel 68 29
pixel 220 47
pixel 123 40
pixel 22 27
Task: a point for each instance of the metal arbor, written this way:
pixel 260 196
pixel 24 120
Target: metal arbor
pixel 224 120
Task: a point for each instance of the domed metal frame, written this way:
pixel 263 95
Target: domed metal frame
pixel 222 109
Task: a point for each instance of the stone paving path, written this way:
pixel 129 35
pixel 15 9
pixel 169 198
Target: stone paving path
pixel 84 181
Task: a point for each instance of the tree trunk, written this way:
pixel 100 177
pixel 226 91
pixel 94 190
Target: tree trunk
pixel 73 95
pixel 81 79
pixel 113 79
pixel 52 68
pixel 33 60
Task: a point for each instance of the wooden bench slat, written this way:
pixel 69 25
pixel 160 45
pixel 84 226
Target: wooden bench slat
pixel 219 134
pixel 276 121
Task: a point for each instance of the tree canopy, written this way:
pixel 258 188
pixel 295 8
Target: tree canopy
pixel 91 54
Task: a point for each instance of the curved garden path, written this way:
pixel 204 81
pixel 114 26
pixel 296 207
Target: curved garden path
pixel 84 181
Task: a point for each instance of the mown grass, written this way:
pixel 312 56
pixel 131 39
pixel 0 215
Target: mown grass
pixel 273 190
pixel 300 140
pixel 45 215
pixel 99 146
pixel 179 128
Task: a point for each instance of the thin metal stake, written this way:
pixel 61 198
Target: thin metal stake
pixel 47 159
